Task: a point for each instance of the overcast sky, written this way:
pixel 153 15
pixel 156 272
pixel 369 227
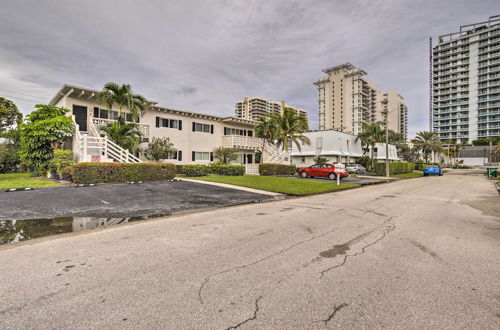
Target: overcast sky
pixel 205 55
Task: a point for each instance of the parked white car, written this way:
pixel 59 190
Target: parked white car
pixel 355 169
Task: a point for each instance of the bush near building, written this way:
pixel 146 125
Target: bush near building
pixel 193 170
pixel 395 168
pixel 119 172
pixel 62 159
pixel 277 169
pixel 232 170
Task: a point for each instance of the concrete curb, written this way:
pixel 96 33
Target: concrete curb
pixel 225 185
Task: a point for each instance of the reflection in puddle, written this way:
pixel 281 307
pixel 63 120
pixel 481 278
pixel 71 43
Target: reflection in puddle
pixel 14 231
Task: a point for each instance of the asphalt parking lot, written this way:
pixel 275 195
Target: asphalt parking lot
pixel 120 200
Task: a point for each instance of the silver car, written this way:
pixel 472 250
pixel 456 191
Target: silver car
pixel 355 169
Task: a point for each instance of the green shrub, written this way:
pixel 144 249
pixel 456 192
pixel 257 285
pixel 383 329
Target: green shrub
pixel 395 168
pixel 277 169
pixel 195 170
pixel 228 169
pixel 62 159
pixel 66 173
pixel 120 172
pixel 178 168
pixel 365 161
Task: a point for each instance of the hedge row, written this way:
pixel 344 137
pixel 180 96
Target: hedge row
pixel 193 170
pixel 277 169
pixel 395 168
pixel 118 172
pixel 232 170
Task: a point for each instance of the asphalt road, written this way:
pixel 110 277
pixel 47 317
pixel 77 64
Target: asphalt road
pixel 413 254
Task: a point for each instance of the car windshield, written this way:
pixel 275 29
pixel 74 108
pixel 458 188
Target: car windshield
pixel 433 167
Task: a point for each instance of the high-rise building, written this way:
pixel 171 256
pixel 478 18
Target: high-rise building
pixel 394 104
pixel 256 107
pixel 347 100
pixel 465 78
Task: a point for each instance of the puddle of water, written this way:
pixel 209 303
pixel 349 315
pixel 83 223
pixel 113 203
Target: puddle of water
pixel 14 231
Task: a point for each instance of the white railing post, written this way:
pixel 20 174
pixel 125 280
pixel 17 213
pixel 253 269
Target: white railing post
pixel 84 147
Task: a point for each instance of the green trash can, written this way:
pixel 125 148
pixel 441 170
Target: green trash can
pixel 492 172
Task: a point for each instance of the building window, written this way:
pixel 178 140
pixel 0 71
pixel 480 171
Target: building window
pixel 202 156
pixel 205 128
pixel 169 123
pixel 237 131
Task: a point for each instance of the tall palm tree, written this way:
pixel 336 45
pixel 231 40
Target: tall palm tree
pixel 290 129
pixel 122 95
pixel 266 129
pixel 126 135
pixel 427 142
pixel 372 133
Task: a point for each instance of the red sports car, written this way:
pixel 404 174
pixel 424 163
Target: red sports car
pixel 323 170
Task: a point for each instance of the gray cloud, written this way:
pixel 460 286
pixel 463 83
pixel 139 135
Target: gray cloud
pixel 206 55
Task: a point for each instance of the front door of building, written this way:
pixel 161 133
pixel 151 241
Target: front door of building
pixel 80 114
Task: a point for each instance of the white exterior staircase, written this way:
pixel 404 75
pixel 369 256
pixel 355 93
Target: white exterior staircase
pixel 93 147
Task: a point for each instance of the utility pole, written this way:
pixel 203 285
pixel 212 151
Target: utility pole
pixel 387 174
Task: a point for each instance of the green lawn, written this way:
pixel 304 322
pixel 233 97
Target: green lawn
pixel 411 175
pixel 289 186
pixel 23 180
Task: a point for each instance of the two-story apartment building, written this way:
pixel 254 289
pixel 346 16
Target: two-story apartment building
pixel 194 135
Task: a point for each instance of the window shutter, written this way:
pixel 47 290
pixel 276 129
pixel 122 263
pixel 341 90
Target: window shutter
pixel 212 155
pixel 157 121
pixel 225 130
pixel 193 126
pixel 179 155
pixel 211 129
pixel 180 127
pixel 193 156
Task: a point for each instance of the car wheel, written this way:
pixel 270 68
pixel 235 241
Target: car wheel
pixel 441 174
pixel 332 176
pixel 304 174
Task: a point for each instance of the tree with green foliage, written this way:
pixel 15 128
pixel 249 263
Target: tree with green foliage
pixel 371 134
pixel 224 155
pixel 45 130
pixel 290 128
pixel 266 129
pixel 485 141
pixel 9 151
pixel 126 135
pixel 320 159
pixel 123 96
pixel 160 148
pixel 408 154
pixel 427 143
pixel 9 115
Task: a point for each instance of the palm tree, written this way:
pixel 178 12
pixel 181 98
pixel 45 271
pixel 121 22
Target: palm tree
pixel 126 135
pixel 372 133
pixel 122 95
pixel 427 142
pixel 290 129
pixel 266 129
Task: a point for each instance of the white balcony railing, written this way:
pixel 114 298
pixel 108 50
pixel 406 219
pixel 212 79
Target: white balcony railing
pixel 241 142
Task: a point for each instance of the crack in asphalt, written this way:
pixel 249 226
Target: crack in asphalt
pixel 335 310
pixel 207 279
pixel 388 227
pixel 253 317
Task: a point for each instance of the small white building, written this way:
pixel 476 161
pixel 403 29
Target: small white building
pixel 337 147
